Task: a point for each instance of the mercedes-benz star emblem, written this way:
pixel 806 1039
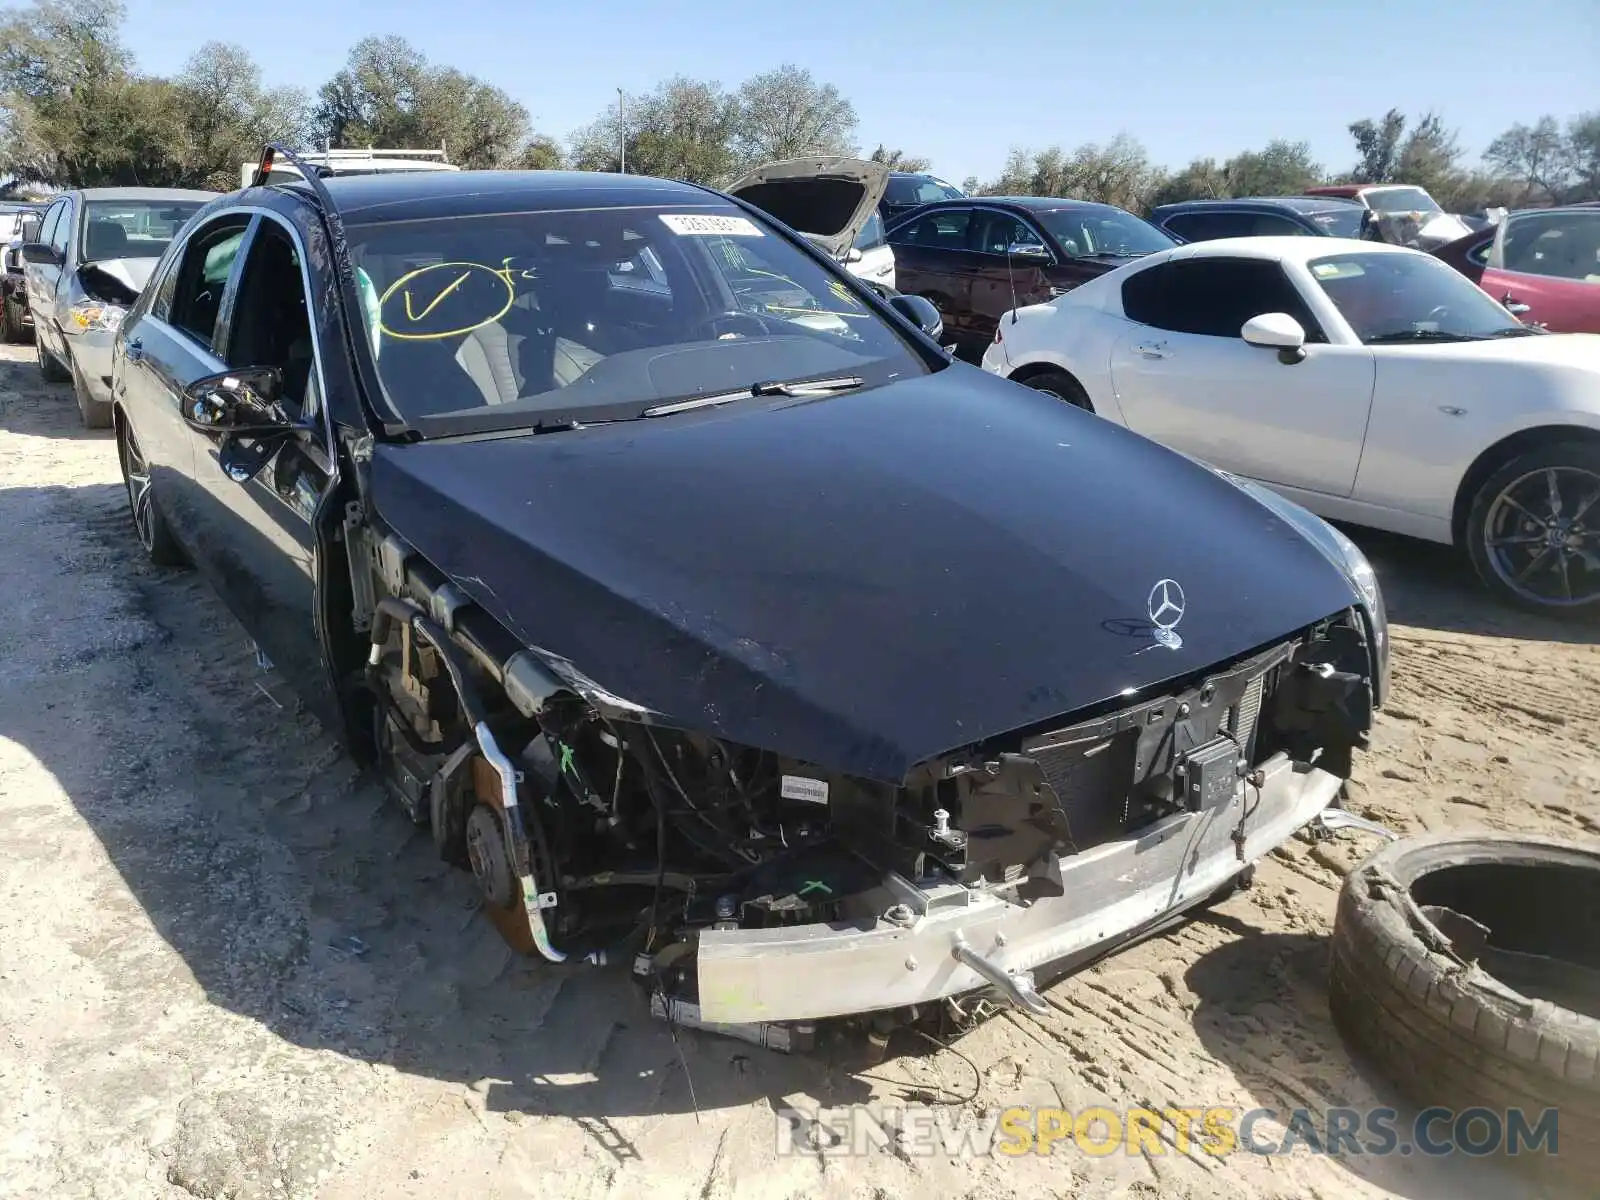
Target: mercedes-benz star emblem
pixel 1165 606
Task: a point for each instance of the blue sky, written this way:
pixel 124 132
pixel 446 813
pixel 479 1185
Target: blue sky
pixel 960 83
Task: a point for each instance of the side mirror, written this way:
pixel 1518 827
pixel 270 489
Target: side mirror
pixel 1029 250
pixel 240 408
pixel 920 312
pixel 1277 331
pixel 41 254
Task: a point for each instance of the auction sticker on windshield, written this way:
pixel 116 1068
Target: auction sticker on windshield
pixel 699 225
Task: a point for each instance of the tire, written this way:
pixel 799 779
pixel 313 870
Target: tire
pixel 12 329
pixel 1443 1029
pixel 95 414
pixel 149 522
pixel 1576 466
pixel 1062 386
pixel 50 368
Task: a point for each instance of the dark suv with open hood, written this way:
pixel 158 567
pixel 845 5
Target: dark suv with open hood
pixel 693 598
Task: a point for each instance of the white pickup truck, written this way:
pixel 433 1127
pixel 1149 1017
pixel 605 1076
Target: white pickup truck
pixel 353 162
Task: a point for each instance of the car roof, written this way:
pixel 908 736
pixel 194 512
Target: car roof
pixel 1304 204
pixel 1281 249
pixel 414 195
pixel 1031 203
pixel 138 193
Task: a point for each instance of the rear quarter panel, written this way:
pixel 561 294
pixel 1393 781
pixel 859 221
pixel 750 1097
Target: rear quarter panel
pixel 1074 338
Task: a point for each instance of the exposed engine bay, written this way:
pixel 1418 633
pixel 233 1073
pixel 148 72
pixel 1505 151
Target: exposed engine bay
pixel 597 833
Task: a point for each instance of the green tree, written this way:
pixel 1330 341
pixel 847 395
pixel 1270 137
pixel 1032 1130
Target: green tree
pixel 684 129
pixel 1377 147
pixel 899 160
pixel 1281 168
pixel 786 112
pixel 228 114
pixel 1536 156
pixel 1583 155
pixel 388 95
pixel 1202 179
pixel 541 153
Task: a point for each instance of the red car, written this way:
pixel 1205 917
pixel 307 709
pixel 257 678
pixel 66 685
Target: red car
pixel 1543 264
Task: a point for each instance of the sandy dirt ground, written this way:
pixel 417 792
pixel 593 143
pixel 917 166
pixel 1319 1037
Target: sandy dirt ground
pixel 183 858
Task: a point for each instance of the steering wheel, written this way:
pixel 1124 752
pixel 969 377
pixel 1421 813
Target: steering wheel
pixel 717 323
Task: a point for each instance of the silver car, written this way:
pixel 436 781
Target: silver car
pixel 95 250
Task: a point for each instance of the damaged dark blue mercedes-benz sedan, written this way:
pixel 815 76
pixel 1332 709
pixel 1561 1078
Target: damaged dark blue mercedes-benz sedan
pixel 706 610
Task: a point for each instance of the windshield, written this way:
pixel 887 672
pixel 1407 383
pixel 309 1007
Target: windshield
pixel 871 235
pixel 1409 297
pixel 132 228
pixel 517 320
pixel 1344 221
pixel 1088 232
pixel 919 189
pixel 1401 200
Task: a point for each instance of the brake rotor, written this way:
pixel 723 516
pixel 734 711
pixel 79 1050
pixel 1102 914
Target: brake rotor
pixel 494 860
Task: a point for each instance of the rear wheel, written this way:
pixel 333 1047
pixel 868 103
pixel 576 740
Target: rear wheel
pixel 1062 386
pixel 148 522
pixel 1533 531
pixel 11 327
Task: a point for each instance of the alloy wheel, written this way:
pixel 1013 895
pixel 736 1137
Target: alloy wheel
pixel 1542 535
pixel 136 474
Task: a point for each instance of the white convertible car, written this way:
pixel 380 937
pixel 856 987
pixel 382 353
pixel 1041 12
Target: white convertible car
pixel 1370 383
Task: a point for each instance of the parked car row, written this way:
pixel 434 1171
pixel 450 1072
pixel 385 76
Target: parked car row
pixel 708 611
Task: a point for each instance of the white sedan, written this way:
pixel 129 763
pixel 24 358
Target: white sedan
pixel 1370 383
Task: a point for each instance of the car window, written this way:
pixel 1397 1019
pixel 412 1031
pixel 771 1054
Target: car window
pixel 1001 230
pixel 1204 226
pixel 504 320
pixel 1560 244
pixel 918 189
pixel 47 230
pixel 1104 232
pixel 1409 297
pixel 1401 200
pixel 945 229
pixel 1214 296
pixel 871 235
pixel 132 228
pixel 62 232
pixel 1273 225
pixel 1344 221
pixel 268 324
pixel 200 277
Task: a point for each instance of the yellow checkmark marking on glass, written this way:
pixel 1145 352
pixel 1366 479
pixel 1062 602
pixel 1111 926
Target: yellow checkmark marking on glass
pixel 437 300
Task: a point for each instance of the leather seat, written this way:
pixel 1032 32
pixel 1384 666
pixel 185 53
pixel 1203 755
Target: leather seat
pixel 105 239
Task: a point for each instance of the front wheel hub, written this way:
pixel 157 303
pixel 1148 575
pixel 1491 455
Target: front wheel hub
pixel 490 857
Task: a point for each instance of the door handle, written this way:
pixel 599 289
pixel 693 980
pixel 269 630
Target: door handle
pixel 1512 305
pixel 135 348
pixel 1150 350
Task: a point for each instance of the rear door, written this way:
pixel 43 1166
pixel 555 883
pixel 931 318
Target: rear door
pixel 1186 378
pixel 1545 267
pixel 933 258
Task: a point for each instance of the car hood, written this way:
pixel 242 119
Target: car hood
pixel 827 198
pixel 131 273
pixel 861 582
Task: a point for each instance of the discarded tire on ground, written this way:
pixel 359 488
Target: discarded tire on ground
pixel 1468 970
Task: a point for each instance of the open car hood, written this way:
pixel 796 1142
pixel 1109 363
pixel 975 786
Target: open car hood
pixel 827 198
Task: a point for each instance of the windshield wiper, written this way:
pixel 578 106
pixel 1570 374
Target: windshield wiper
pixel 807 387
pixel 1517 331
pixel 1423 335
pixel 802 387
